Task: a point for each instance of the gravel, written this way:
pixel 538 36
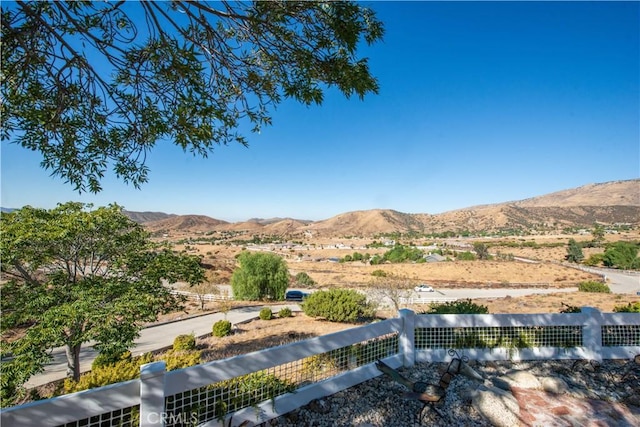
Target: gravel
pixel 380 402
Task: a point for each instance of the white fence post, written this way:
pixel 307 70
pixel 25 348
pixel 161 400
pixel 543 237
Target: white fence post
pixel 152 410
pixel 407 337
pixel 592 333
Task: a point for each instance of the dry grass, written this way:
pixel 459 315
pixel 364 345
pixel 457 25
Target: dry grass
pixel 259 334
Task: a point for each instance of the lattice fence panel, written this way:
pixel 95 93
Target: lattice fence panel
pixel 620 335
pixel 498 337
pixel 127 417
pixel 219 399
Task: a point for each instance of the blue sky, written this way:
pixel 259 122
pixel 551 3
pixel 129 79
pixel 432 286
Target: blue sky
pixel 479 103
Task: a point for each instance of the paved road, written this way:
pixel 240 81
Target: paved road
pixel 153 338
pixel 619 282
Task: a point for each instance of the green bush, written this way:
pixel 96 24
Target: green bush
pixel 128 368
pixel 304 279
pixel 338 305
pixel 465 256
pixel 379 273
pixel 285 312
pixel 247 390
pixel 184 342
pixel 179 359
pixel 266 314
pixel 457 307
pixel 593 287
pixel 632 307
pixel 122 370
pixel 106 359
pixel 594 260
pixel 221 328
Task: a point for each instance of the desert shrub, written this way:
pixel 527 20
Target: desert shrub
pixel 128 368
pixel 465 256
pixel 570 309
pixel 304 279
pixel 338 305
pixel 632 307
pixel 247 390
pixel 266 313
pixel 593 287
pixel 105 359
pixel 122 370
pixel 221 328
pixel 285 312
pixel 379 273
pixel 457 307
pixel 184 342
pixel 594 260
pixel 314 366
pixel 179 359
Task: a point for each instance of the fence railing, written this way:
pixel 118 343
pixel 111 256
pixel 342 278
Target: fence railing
pixel 425 300
pixel 262 385
pixel 199 297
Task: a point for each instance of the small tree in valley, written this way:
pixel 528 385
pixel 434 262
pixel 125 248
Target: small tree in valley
pixel 574 252
pixel 260 276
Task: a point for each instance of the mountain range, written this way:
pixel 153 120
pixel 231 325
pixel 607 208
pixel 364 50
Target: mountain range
pixel 616 202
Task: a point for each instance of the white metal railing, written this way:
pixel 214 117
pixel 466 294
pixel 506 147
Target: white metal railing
pixel 324 365
pixel 200 297
pixel 425 300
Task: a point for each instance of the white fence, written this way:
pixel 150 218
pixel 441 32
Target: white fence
pixel 424 300
pixel 219 393
pixel 199 297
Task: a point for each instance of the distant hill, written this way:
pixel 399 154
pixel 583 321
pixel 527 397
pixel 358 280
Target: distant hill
pixel 606 203
pixel 184 223
pixel 6 210
pixel 616 193
pixel 143 217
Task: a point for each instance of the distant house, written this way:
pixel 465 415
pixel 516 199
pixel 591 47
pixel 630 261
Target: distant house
pixel 434 258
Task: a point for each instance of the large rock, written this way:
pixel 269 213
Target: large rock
pixel 516 378
pixel 497 406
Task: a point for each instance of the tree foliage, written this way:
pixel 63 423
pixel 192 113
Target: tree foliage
pixel 574 252
pixel 457 307
pixel 622 255
pixel 481 250
pixel 303 279
pixel 94 85
pixel 77 275
pixel 401 253
pixel 260 276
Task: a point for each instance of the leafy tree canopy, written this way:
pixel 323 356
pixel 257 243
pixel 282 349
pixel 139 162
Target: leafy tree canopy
pixel 623 255
pixel 574 252
pixel 401 253
pixel 76 275
pixel 259 276
pixel 93 86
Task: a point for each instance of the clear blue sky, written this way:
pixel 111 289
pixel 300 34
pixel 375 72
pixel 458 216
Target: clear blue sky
pixel 479 103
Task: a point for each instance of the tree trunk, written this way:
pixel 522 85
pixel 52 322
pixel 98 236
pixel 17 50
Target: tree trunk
pixel 73 361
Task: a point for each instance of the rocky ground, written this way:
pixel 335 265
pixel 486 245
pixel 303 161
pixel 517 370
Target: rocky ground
pixel 531 393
